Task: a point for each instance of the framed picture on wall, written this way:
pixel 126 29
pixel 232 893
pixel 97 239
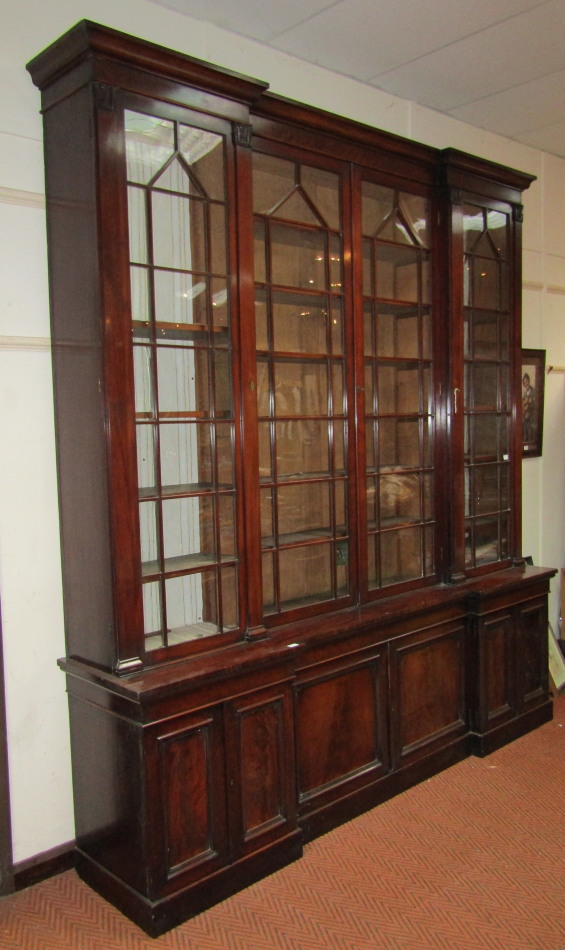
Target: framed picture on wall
pixel 533 380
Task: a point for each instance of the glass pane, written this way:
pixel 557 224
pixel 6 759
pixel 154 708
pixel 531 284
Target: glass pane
pixel 183 381
pixel 397 332
pixel 305 575
pixel 337 328
pixel 398 388
pixel 143 380
pixel 188 532
pixel 342 563
pixel 377 205
pixel 300 323
pixel 273 180
pixel 261 320
pixel 152 614
pixel 401 555
pixel 218 246
pixel 486 489
pixel 370 445
pixel 339 429
pixel 301 388
pixel 220 309
pixel 204 152
pixel 486 540
pixel 149 144
pixel 397 272
pixel 297 208
pixel 222 381
pixel 303 509
pixel 137 226
pixel 414 210
pixel 179 299
pixel 369 329
pixel 372 578
pixel 338 393
pixel 186 457
pixel 192 611
pixel 149 537
pixel 399 443
pixel 485 386
pixel 298 257
pixel 268 577
pixel 485 436
pixel 372 502
pixel 230 609
pixel 322 188
pixel 263 388
pixel 302 448
pixel 485 336
pixel 226 508
pixel 259 246
pixel 145 458
pixel 139 283
pixel 473 225
pixel 370 387
pixel 179 237
pixel 497 223
pixel 399 497
pixel 368 282
pixel 224 454
pixel 265 468
pixel 340 507
pixel 267 523
pixel 336 257
pixel 484 288
pixel 175 177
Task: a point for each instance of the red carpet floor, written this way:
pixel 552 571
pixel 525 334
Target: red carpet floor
pixel 472 859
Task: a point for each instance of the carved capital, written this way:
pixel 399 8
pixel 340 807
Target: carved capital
pixel 242 133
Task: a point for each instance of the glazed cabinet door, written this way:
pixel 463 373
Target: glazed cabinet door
pixel 397 370
pixel 304 383
pixel 182 262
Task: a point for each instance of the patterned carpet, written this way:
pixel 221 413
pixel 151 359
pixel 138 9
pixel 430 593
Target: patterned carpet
pixel 472 859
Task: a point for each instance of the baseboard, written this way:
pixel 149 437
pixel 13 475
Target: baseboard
pixel 44 865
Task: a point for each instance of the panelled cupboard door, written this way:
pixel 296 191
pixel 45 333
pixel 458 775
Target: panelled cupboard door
pixel 341 728
pixel 260 754
pixel 187 826
pixel 531 654
pixel 428 704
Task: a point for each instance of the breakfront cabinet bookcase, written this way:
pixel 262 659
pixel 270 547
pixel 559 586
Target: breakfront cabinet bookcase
pixel 285 351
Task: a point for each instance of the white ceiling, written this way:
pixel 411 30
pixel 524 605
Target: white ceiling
pixel 497 64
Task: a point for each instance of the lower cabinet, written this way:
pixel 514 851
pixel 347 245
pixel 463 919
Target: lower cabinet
pixel 512 686
pixel 192 782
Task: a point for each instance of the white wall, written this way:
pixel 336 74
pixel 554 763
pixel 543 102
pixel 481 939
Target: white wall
pixel 30 585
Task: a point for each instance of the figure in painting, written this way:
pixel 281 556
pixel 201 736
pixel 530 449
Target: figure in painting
pixel 528 409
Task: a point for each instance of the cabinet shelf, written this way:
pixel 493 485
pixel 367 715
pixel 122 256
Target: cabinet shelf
pixel 183 564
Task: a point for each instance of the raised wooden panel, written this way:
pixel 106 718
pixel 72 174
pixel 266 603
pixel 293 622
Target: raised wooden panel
pixel 496 638
pixel 339 727
pixel 428 691
pixel 262 786
pixel 192 786
pixel 531 653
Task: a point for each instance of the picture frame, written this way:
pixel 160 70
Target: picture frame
pixel 533 389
